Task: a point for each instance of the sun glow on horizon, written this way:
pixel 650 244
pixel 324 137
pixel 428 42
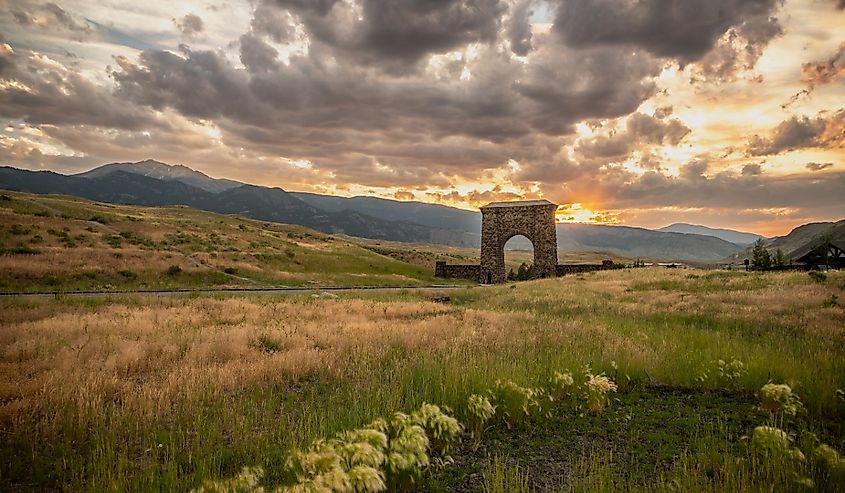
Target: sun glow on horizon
pixel 576 212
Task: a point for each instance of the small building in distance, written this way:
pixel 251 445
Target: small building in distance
pixel 825 252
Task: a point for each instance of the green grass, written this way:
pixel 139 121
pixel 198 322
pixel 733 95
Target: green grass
pixel 654 332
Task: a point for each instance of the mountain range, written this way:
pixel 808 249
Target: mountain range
pixel 736 237
pixel 152 183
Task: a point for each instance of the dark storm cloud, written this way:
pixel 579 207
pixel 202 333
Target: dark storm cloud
pixel 694 188
pixel 818 166
pixel 569 85
pixel 519 28
pixel 694 170
pixel 397 34
pixel 334 111
pixel 364 106
pixel 256 55
pixel 653 131
pixel 46 92
pixel 825 130
pixel 189 25
pixel 319 7
pixel 752 169
pixel 316 97
pixel 273 22
pixel 667 28
pixel 55 17
pixel 200 84
pixel 640 131
pixel 739 49
pixel 726 190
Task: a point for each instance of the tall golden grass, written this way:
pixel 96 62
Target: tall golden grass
pixel 146 356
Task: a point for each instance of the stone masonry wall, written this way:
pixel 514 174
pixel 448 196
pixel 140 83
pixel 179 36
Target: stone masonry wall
pixel 499 224
pixel 473 271
pixel 464 271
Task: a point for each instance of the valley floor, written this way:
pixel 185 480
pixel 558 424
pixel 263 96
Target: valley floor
pixel 132 393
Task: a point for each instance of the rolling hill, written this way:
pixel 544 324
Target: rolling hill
pixel 804 234
pixel 61 243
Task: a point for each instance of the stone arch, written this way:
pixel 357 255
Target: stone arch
pixel 502 221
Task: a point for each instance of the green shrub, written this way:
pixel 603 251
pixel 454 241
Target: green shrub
pixel 817 276
pixel 174 270
pixel 17 229
pixel 267 344
pixel 514 402
pixel 114 241
pixel 19 250
pixel 479 412
pixel 230 270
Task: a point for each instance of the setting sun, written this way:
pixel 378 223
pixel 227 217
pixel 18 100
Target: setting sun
pixel 577 213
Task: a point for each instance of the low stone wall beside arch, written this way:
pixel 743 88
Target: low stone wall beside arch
pixel 457 271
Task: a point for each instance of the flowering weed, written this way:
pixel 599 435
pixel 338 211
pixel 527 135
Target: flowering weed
pixel 779 398
pixel 245 481
pixel 596 388
pixel 562 385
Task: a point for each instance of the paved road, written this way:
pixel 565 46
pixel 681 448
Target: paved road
pixel 276 290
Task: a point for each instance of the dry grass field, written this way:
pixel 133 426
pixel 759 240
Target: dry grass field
pixel 57 243
pixel 140 393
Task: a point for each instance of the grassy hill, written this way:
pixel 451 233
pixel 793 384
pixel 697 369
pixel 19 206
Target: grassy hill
pixel 60 243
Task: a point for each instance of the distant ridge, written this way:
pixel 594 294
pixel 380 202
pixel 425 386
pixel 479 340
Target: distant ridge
pixel 263 203
pixel 152 183
pixel 167 172
pixel 736 237
pixel 645 243
pixel 432 215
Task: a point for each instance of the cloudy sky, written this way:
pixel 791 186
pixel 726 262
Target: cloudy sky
pixel 643 112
